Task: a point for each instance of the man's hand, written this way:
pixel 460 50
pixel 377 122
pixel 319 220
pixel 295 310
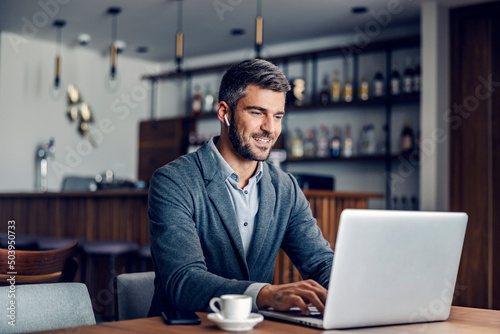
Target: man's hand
pixel 298 294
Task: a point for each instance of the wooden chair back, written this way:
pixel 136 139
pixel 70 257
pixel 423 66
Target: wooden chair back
pixel 32 267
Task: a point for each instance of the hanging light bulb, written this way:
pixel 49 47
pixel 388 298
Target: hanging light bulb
pixel 114 11
pixel 259 30
pixel 179 38
pixel 57 77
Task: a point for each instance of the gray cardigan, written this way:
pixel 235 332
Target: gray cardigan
pixel 196 246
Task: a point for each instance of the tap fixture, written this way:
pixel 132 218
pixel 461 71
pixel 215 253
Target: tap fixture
pixel 43 153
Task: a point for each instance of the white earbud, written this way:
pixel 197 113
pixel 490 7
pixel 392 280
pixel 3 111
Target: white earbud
pixel 227 122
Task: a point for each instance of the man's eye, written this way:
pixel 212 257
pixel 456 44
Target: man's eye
pixel 256 113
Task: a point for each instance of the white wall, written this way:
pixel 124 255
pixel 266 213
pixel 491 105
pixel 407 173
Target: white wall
pixel 31 112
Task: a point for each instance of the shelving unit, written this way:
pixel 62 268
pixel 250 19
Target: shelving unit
pixel 309 64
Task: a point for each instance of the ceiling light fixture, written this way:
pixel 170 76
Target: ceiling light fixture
pixel 142 49
pixel 237 31
pixel 114 11
pixel 84 39
pixel 259 26
pixel 179 38
pixel 359 10
pixel 59 24
pixel 120 46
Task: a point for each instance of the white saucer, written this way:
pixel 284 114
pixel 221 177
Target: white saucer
pixel 236 325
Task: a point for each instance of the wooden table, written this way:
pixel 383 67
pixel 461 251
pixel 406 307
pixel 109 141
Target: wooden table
pixel 462 320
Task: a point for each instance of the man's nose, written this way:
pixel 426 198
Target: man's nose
pixel 268 124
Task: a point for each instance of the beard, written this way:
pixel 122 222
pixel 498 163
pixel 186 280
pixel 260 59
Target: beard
pixel 244 148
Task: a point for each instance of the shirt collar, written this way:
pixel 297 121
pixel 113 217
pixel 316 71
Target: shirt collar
pixel 224 167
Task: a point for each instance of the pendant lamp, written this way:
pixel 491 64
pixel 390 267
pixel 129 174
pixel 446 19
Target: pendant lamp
pixel 114 11
pixel 59 24
pixel 179 38
pixel 259 30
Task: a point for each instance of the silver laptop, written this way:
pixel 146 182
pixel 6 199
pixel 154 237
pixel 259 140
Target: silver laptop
pixel 390 267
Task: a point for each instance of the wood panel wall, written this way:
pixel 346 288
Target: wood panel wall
pixel 160 141
pixel 326 207
pixel 475 149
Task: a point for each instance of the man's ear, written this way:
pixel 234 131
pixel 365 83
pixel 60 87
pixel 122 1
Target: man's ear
pixel 223 111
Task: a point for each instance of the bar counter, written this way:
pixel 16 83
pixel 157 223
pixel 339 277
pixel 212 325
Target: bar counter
pixel 99 215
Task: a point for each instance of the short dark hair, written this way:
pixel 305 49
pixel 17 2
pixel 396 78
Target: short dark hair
pixel 259 72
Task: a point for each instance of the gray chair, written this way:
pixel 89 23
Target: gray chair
pixel 134 293
pixel 146 259
pixel 78 183
pixel 46 307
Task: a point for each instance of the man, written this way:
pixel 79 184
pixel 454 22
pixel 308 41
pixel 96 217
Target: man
pixel 218 216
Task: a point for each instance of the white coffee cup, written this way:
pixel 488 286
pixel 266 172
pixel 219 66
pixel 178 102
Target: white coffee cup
pixel 234 307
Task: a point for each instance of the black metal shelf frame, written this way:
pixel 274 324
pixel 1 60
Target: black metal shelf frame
pixel 387 47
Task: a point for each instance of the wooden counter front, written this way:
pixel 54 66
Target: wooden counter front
pixel 101 215
pixel 122 215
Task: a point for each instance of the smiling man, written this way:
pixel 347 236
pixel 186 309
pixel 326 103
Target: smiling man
pixel 219 216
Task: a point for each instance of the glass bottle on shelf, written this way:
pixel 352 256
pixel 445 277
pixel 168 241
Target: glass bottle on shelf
pixel 347 150
pixel 408 77
pixel 297 145
pixel 414 203
pixel 194 142
pixel 298 89
pixel 367 144
pixel 208 100
pixel 216 102
pixel 378 83
pixel 404 203
pixel 416 76
pixel 336 86
pixel 196 101
pixel 309 145
pixel 407 138
pixel 395 81
pixel 382 149
pixel 324 95
pixel 348 90
pixel 335 146
pixel 395 205
pixel 322 142
pixel 364 89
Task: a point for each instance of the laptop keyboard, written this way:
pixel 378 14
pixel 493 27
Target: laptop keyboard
pixel 296 312
pixel 314 313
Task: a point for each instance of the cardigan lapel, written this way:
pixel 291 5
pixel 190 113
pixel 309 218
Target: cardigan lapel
pixel 216 190
pixel 265 216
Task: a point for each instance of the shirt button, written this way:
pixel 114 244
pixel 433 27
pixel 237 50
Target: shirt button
pixel 246 192
pixel 245 224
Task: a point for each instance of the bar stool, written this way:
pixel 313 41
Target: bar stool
pixel 146 259
pixel 111 249
pixel 50 243
pixel 23 242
